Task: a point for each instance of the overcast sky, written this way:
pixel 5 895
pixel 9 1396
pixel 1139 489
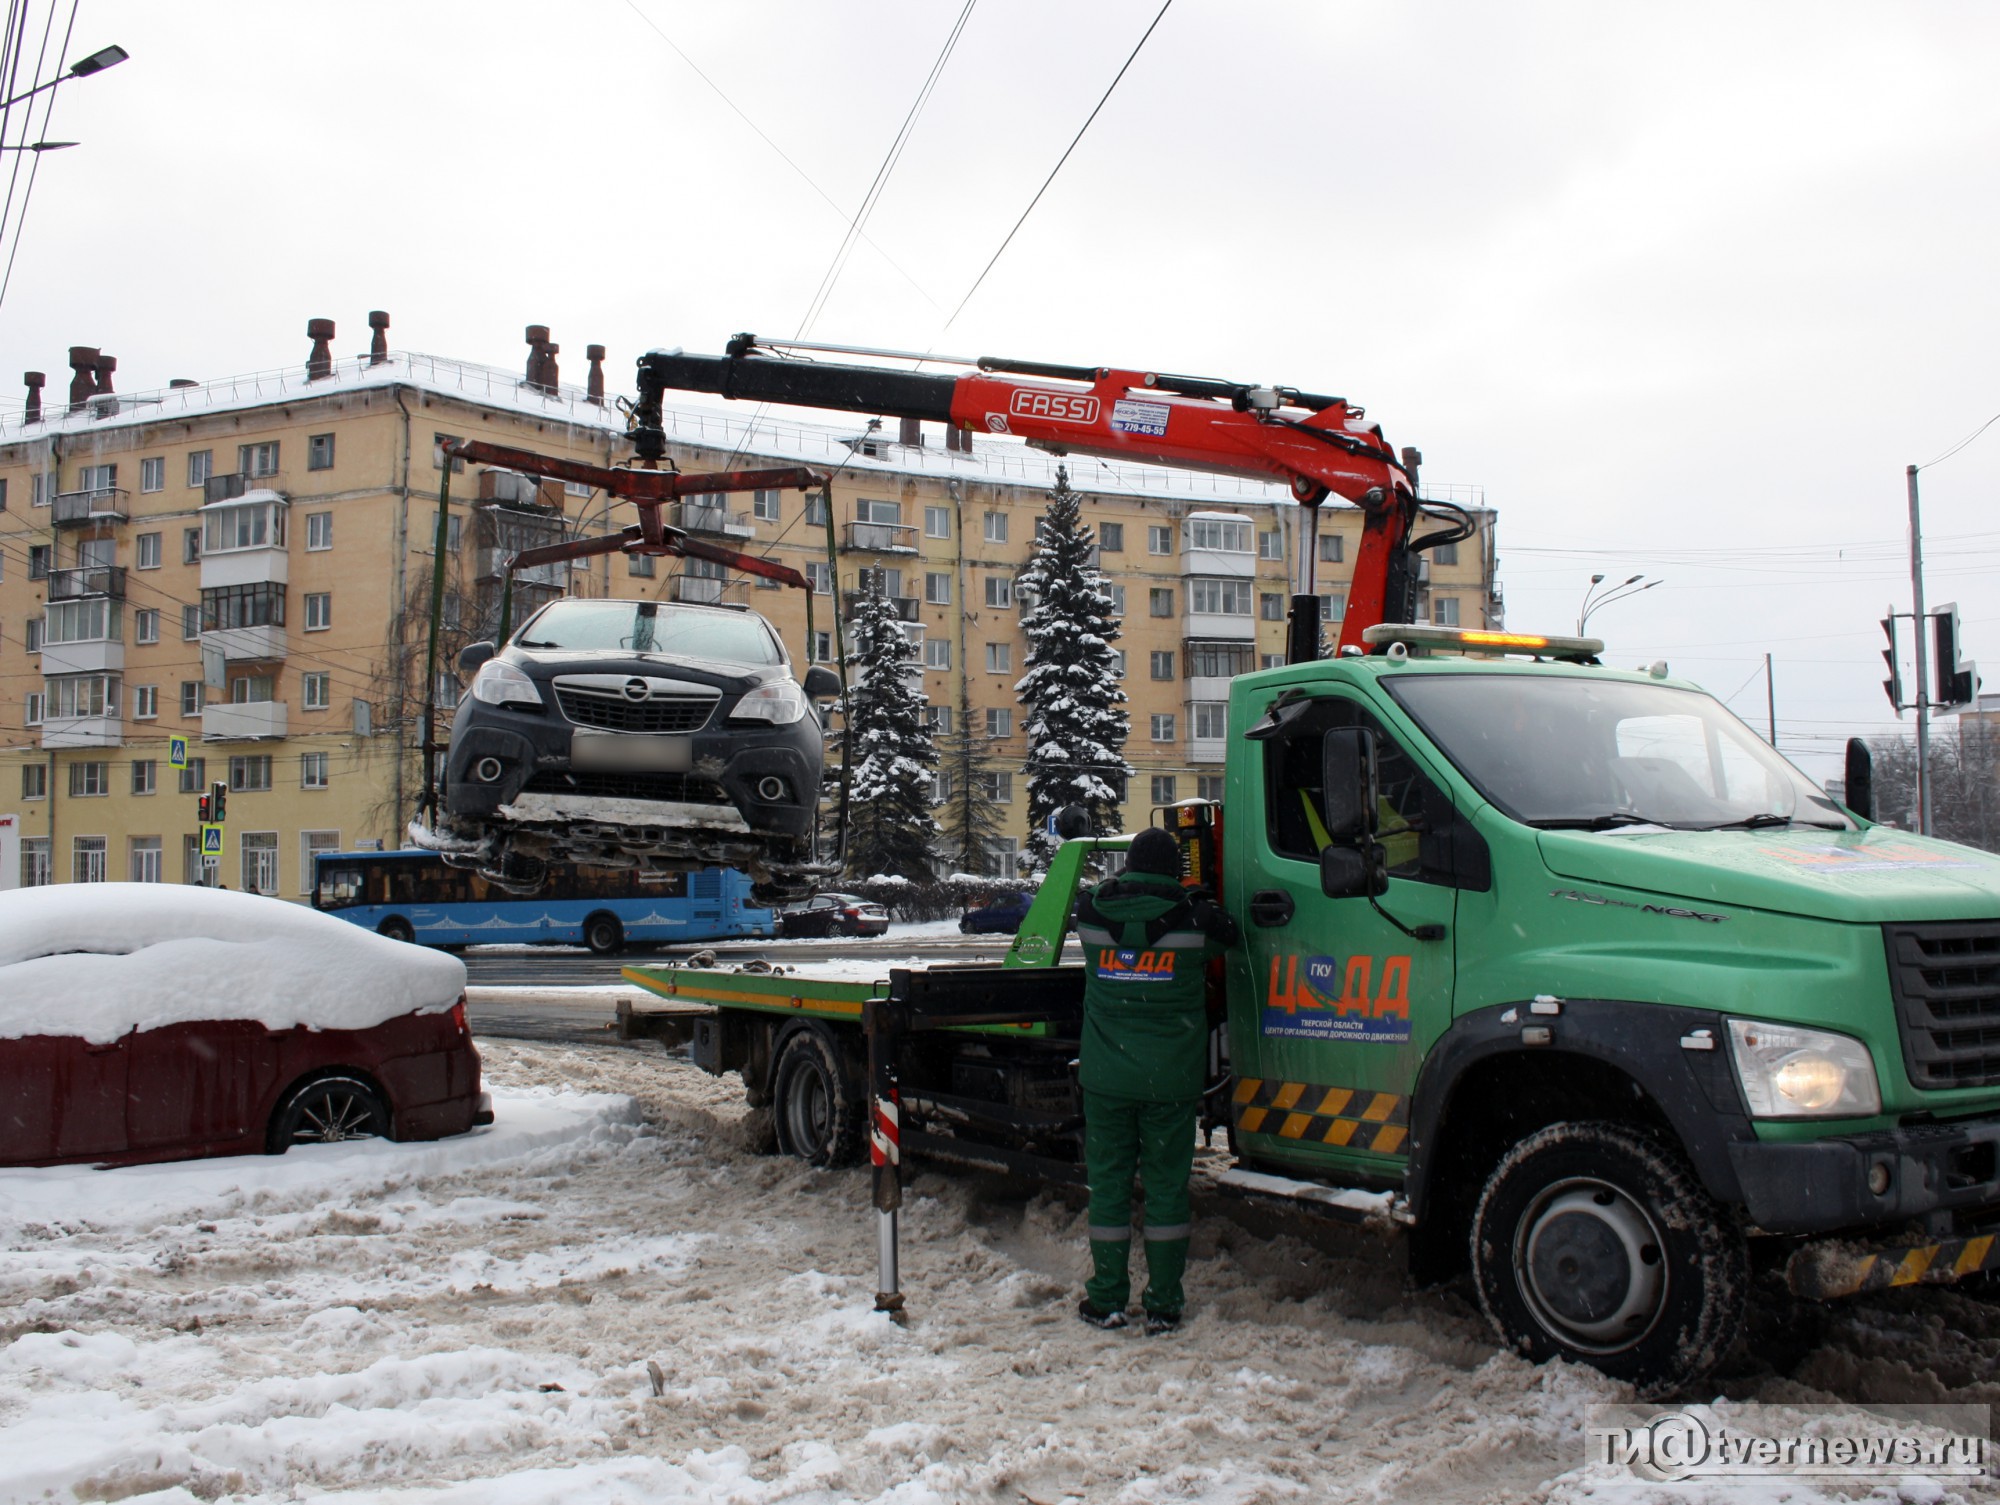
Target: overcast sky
pixel 1682 287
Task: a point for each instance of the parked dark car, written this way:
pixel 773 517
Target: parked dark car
pixel 636 734
pixel 1001 915
pixel 834 914
pixel 144 1021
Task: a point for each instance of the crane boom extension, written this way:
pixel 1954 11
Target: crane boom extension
pixel 1318 446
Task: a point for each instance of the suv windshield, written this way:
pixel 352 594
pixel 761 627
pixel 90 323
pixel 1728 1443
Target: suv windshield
pixel 1599 754
pixel 646 627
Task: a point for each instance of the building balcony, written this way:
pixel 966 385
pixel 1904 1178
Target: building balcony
pixel 77 509
pixel 906 606
pixel 92 580
pixel 91 656
pixel 1207 749
pixel 706 517
pixel 242 721
pixel 82 731
pixel 262 566
pixel 698 590
pixel 1225 564
pixel 879 538
pixel 246 644
pixel 1202 688
pixel 1220 629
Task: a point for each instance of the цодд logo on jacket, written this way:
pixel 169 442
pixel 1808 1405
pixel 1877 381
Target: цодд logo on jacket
pixel 1309 1008
pixel 1135 966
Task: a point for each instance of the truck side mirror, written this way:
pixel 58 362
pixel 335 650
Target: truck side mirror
pixel 1353 872
pixel 1860 774
pixel 821 683
pixel 472 655
pixel 1347 785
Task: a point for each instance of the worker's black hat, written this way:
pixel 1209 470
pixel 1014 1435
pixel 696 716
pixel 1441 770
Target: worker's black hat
pixel 1154 851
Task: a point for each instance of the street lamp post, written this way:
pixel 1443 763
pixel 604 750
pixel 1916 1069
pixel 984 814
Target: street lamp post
pixel 97 62
pixel 1622 591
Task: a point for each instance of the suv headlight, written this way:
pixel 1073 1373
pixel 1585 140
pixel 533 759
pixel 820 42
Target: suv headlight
pixel 497 683
pixel 778 701
pixel 1789 1072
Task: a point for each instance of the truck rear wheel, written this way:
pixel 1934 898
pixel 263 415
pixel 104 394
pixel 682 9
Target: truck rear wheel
pixel 1594 1242
pixel 818 1105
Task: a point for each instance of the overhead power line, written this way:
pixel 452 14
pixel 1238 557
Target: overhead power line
pixel 1961 443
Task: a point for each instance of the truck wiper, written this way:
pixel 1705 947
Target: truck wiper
pixel 1765 819
pixel 1605 822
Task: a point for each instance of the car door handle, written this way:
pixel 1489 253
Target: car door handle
pixel 1270 907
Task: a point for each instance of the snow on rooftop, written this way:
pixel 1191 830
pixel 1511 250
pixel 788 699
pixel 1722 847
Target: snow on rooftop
pixel 99 960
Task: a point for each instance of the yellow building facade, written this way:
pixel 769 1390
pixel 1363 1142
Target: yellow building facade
pixel 241 570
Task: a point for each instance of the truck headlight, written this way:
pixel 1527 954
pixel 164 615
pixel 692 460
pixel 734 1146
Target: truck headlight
pixel 778 701
pixel 497 683
pixel 1789 1072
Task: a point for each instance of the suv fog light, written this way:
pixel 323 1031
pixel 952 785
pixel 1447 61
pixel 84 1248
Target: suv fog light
pixel 486 770
pixel 1878 1178
pixel 772 789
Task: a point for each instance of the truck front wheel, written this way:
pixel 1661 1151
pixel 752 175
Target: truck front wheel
pixel 1594 1242
pixel 819 1108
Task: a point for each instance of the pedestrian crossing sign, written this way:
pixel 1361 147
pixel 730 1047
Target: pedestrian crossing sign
pixel 177 752
pixel 211 840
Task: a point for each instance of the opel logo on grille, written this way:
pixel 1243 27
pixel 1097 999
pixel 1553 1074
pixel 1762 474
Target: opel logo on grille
pixel 637 689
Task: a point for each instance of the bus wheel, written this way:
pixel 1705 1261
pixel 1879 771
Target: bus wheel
pixel 1594 1242
pixel 603 934
pixel 818 1106
pixel 396 928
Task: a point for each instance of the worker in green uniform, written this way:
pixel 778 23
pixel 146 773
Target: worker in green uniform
pixel 1145 1036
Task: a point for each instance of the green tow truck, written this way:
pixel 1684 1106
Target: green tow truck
pixel 1556 968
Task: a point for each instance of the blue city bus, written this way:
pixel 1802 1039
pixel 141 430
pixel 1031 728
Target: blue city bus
pixel 415 896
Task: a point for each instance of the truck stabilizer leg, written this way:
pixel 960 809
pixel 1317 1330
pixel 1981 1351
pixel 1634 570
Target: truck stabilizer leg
pixel 885 1152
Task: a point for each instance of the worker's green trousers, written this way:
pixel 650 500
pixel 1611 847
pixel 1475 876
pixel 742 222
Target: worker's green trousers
pixel 1120 1135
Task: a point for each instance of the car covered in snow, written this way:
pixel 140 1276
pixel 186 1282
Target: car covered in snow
pixel 636 734
pixel 834 914
pixel 143 1021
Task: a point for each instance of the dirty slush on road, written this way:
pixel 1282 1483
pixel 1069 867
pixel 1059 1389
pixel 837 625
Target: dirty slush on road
pixel 645 1310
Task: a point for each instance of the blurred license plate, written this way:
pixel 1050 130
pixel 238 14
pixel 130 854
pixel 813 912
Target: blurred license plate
pixel 600 752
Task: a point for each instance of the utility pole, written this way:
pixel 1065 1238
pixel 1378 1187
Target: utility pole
pixel 1770 700
pixel 1922 697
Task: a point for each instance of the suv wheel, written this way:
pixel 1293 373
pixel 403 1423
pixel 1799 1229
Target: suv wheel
pixel 1594 1242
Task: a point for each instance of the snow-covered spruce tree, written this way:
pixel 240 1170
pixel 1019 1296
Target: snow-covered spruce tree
pixel 968 815
pixel 1072 691
pixel 887 746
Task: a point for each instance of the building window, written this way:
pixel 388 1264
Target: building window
pixel 996 527
pixel 228 606
pixel 764 506
pixel 1331 548
pixel 1118 662
pixel 639 566
pixel 254 460
pixel 1271 606
pixel 999 590
pixel 999 721
pixel 40 555
pixel 1219 598
pixel 817 510
pixel 822 648
pixel 97 478
pixel 1218 660
pixel 87 780
pixel 250 771
pixel 999 658
pixel 3 494
pixel 146 625
pixel 319 610
pixel 83 695
pixel 311 845
pixel 201 465
pixel 247 525
pixel 153 473
pixel 1332 606
pixel 1163 789
pixel 33 714
pixel 937 588
pixel 190 546
pixel 1160 601
pixel 190 699
pixel 312 770
pixel 1211 719
pixel 86 862
pixel 319 531
pixel 937 522
pixel 145 702
pixel 317 690
pixel 194 777
pixel 145 774
pixel 1000 857
pixel 1218 534
pixel 1270 544
pixel 1163 727
pixel 999 786
pixel 319 452
pixel 1271 661
pixel 34 781
pixel 253 689
pixel 93 620
pixel 1159 540
pixel 819 575
pixel 1208 786
pixel 194 867
pixel 1117 594
pixel 937 653
pixel 448 690
pixel 149 551
pixel 1163 663
pixel 1445 553
pixel 190 623
pixel 1111 538
pixel 146 860
pixel 938 718
pixel 1444 611
pixel 260 862
pixel 33 636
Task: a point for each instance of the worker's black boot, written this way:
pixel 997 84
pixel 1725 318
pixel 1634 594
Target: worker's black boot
pixel 1098 1317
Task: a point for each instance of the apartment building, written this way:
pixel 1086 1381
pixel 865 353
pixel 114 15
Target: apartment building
pixel 240 570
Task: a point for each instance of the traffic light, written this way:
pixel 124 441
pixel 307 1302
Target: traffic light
pixel 218 800
pixel 201 809
pixel 1894 683
pixel 1957 683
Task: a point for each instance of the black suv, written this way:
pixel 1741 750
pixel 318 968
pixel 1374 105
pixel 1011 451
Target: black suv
pixel 635 734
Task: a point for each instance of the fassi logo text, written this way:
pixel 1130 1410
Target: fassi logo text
pixel 1067 407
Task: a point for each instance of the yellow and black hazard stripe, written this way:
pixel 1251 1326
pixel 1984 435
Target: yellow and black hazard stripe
pixel 1823 1274
pixel 1346 1117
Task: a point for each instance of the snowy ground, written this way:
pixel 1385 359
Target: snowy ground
pixel 603 1298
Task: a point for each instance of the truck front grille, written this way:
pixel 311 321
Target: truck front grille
pixel 1946 982
pixel 615 713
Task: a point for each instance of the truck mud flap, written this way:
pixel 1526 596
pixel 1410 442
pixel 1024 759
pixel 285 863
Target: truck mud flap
pixel 1381 1210
pixel 1828 1271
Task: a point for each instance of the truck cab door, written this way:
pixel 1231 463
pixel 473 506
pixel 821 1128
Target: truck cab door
pixel 1341 1003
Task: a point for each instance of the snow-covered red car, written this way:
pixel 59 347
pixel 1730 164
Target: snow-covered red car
pixel 143 1021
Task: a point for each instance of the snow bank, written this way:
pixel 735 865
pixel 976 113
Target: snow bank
pixel 103 959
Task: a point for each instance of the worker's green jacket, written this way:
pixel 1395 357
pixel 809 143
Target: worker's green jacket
pixel 1145 1018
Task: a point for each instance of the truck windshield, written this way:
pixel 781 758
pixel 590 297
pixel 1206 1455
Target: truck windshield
pixel 1597 754
pixel 643 627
